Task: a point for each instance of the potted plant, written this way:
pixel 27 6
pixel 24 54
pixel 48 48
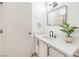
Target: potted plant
pixel 66 28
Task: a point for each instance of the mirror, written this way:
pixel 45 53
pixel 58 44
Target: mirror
pixel 57 16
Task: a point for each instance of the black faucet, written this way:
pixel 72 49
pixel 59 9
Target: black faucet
pixel 51 34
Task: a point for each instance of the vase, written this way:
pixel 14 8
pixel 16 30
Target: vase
pixel 68 39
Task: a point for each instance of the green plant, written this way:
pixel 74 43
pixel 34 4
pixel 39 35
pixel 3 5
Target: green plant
pixel 67 29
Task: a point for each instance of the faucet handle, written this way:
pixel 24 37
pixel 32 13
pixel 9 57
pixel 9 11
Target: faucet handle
pixel 54 36
pixel 49 35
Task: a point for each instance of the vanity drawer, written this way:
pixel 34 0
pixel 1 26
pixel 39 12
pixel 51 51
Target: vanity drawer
pixel 54 53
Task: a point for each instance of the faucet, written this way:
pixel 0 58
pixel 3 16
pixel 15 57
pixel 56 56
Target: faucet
pixel 51 34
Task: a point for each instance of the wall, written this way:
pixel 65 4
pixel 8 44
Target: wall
pixel 38 16
pixel 72 18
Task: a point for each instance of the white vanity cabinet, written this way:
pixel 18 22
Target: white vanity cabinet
pixel 54 53
pixel 42 49
pixel 55 48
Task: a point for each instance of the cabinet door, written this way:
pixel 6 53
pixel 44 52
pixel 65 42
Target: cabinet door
pixel 54 53
pixel 42 49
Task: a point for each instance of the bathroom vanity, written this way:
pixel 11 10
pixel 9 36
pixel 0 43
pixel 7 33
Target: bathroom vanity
pixel 51 47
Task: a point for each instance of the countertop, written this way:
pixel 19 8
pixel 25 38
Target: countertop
pixel 59 43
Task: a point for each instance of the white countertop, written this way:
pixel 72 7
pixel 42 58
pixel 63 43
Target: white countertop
pixel 66 48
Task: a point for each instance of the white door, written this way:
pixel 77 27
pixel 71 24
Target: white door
pixel 1 37
pixel 17 25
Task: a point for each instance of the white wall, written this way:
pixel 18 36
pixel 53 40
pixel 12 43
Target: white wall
pixel 72 18
pixel 38 16
pixel 73 15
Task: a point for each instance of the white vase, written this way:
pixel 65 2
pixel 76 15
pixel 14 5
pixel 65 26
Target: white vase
pixel 68 39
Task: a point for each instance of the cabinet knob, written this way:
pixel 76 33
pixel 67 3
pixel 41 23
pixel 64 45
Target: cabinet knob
pixel 30 33
pixel 1 31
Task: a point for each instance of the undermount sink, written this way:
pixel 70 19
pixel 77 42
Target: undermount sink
pixel 47 37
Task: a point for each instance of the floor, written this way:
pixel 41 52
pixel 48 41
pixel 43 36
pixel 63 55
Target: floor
pixel 34 55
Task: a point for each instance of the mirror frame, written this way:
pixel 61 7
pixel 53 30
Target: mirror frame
pixel 55 10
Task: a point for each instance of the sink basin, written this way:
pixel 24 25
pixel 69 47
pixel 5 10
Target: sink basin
pixel 47 37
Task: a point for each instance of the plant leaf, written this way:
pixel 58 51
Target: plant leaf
pixel 63 30
pixel 63 26
pixel 67 28
pixel 75 27
pixel 66 24
pixel 71 30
